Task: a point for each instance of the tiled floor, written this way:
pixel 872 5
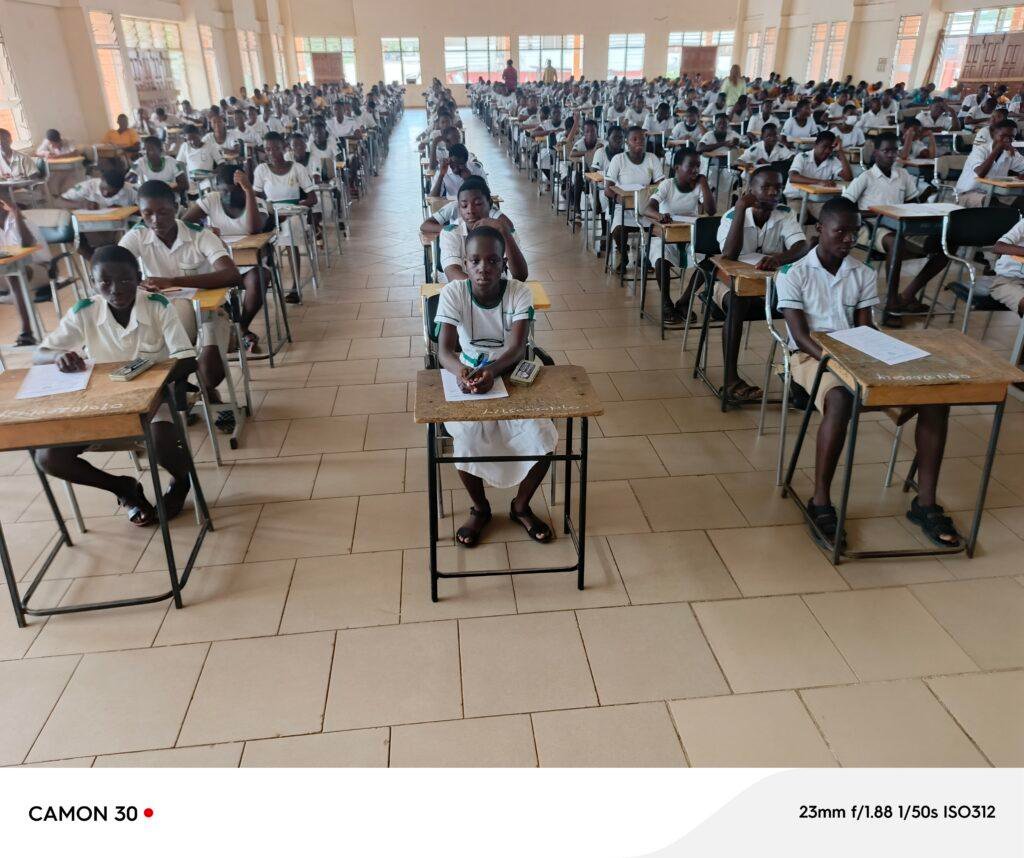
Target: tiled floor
pixel 712 631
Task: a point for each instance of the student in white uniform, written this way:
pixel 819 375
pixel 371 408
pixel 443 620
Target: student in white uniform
pixel 458 167
pixel 229 141
pixel 476 208
pixel 800 125
pixel 874 117
pixel 760 118
pixel 849 132
pixel 232 211
pixel 995 160
pixel 825 164
pixel 15 231
pixel 635 167
pixel 767 150
pixel 689 128
pixel 109 191
pixel 121 324
pixel 14 164
pixel 1008 286
pixel 199 155
pixel 155 165
pixel 484 324
pixel 684 194
pixel 658 126
pixel 174 255
pixel 282 182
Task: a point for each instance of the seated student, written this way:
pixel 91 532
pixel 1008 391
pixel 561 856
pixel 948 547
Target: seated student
pixel 122 324
pixel 476 209
pixel 848 130
pixel 617 111
pixel 631 168
pixel 458 167
pixel 14 164
pixel 440 147
pixel 323 150
pixel 154 165
pixel 940 116
pixel 15 231
pixel 874 117
pixel 285 183
pixel 825 291
pixel 1008 286
pixel 721 136
pixel 53 147
pixel 229 141
pixel 768 235
pixel 637 112
pixel 801 124
pixel 759 118
pixel 996 160
pixel 984 132
pixel 886 183
pixel 685 193
pixel 714 106
pixel 658 127
pixel 109 191
pixel 767 150
pixel 123 137
pixel 822 165
pixel 233 210
pixel 689 128
pixel 484 321
pixel 255 128
pixel 175 255
pixel 199 154
pixel 918 141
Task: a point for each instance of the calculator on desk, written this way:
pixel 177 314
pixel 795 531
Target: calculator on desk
pixel 131 369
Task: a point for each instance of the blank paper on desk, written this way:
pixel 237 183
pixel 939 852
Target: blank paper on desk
pixel 47 380
pixel 874 343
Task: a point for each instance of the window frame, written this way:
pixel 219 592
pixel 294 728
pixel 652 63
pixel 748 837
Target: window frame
pixel 903 38
pixel 403 51
pixel 679 39
pixel 207 47
pixel 951 46
pixel 630 42
pixel 496 49
pixel 11 101
pixel 306 46
pixel 110 59
pixel 570 55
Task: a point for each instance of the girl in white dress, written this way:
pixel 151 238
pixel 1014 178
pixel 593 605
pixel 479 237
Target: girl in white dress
pixel 484 322
pixel 633 168
pixel 155 165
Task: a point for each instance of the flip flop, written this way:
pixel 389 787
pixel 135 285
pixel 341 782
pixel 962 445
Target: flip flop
pixel 743 393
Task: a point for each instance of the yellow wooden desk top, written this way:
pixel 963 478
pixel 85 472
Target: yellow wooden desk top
pixel 721 152
pixel 594 176
pixel 541 301
pixel 747 281
pixel 818 190
pixel 1002 183
pixel 65 161
pixel 435 203
pixel 245 249
pixel 211 299
pixel 103 411
pixel 677 231
pixel 16 254
pixel 957 370
pixel 106 215
pixel 558 392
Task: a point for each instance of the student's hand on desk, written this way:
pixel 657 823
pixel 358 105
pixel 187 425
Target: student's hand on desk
pixel 158 284
pixel 71 362
pixel 664 217
pixel 477 381
pixel 767 263
pixel 89 205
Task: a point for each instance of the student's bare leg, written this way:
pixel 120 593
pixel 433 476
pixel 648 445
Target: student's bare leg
pixel 831 438
pixel 252 301
pixel 171 456
pixel 930 438
pixel 538 529
pixel 732 339
pixel 211 372
pixel 66 463
pixel 480 512
pixel 26 337
pixel 934 265
pixel 619 237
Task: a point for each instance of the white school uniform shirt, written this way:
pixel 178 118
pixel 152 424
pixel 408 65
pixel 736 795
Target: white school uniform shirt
pixel 451 183
pixel 622 171
pixel 869 120
pixel 634 117
pixel 835 110
pixel 943 123
pixel 167 172
pixel 792 128
pixel 757 152
pixel 599 163
pixel 289 188
pixel 276 124
pixel 452 243
pixel 449 213
pixel 829 302
pixel 346 127
pixel 671 200
pixel 233 140
pixel 153 331
pixel 456 306
pixel 681 131
pixel 874 188
pixel 712 108
pixel 780 232
pixel 204 157
pixel 195 250
pixel 89 191
pixel 18 166
pixel 805 165
pixel 55 150
pixel 710 138
pixel 1004 165
pixel 652 125
pixel 757 121
pixel 853 137
pixel 213 206
pixel 1007 265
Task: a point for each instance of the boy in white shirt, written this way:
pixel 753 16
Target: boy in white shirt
pixel 1008 286
pixel 828 290
pixel 822 165
pixel 688 128
pixel 14 164
pixel 800 125
pixel 767 150
pixel 760 118
pixel 874 117
pixel 153 165
pixel 849 132
pixel 198 154
pixel 996 160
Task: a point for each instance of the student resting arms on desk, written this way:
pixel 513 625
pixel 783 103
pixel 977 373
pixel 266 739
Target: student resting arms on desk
pixel 829 290
pixel 15 231
pixel 484 322
pixel 123 324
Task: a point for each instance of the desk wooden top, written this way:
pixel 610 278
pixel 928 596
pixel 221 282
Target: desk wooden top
pixel 106 215
pixel 817 190
pixel 105 410
pixel 17 254
pixel 435 203
pixel 747 281
pixel 913 211
pixel 957 370
pixel 541 301
pixel 594 176
pixel 211 299
pixel 558 392
pixel 65 161
pixel 673 232
pixel 245 250
pixel 1002 183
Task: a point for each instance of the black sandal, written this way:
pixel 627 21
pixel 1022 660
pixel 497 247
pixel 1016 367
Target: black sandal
pixel 292 297
pixel 225 421
pixel 174 500
pixel 539 532
pixel 25 339
pixel 742 393
pixel 467 536
pixel 934 523
pixel 141 513
pixel 826 522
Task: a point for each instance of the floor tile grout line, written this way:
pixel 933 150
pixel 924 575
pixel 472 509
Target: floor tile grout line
pixel 195 687
pixel 56 701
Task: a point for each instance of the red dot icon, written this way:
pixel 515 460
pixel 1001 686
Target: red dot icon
pixel 148 812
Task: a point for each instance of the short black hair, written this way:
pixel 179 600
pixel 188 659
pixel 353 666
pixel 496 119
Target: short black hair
pixel 886 137
pixel 114 254
pixel 152 140
pixel 155 189
pixel 486 232
pixel 114 177
pixel 682 153
pixel 838 207
pixel 189 129
pixel 633 129
pixel 768 125
pixel 1006 123
pixel 476 183
pixel 764 170
pixel 458 150
pixel 273 137
pixel 825 137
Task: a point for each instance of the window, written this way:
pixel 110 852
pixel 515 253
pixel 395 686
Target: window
pixel 768 54
pixel 723 39
pixel 469 58
pixel 960 25
pixel 565 53
pixel 210 62
pixel 249 51
pixel 306 46
pixel 816 56
pixel 156 60
pixel 836 50
pixel 108 55
pixel 12 115
pixel 401 59
pixel 753 58
pixel 906 47
pixel 280 69
pixel 626 55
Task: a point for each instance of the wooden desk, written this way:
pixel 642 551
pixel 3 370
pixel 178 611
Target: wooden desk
pixel 16 265
pixel 105 220
pixel 745 280
pixel 1002 187
pixel 560 392
pixel 66 162
pixel 105 411
pixel 249 250
pixel 813 192
pixel 957 371
pixel 594 176
pixel 677 232
pixel 436 203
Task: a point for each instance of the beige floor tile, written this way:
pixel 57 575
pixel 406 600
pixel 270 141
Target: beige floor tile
pixel 770 644
pixel 394 675
pixel 504 741
pixel 359 748
pixel 324 350
pixel 343 592
pixel 889 724
pixel 398 369
pixel 269 480
pixel 633 735
pixel 987 706
pixel 109 546
pixel 457 597
pixel 648 652
pixel 762 451
pixel 623 458
pixel 998 551
pixel 704 414
pixel 983 616
pixel 308 528
pixel 381 347
pixel 412 326
pixel 262 439
pixel 671 567
pixel 686 503
pixel 75 763
pixel 391 521
pixel 370 399
pixel 96 715
pixel 640 417
pixel 314 435
pixel 14 641
pixel 298 403
pixel 525 663
pixel 27 540
pixel 747 730
pixel 198 757
pixel 226 544
pixel 29 690
pixel 281 376
pixel 761 501
pixel 699 453
pixel 386 309
pixel 886 634
pixel 353 474
pixel 392 431
pixel 18 493
pixel 772 561
pixel 99 631
pixel 342 372
pixel 260 688
pixel 887 572
pixel 242 600
pixel 648 384
pixel 612 508
pixel 558 591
